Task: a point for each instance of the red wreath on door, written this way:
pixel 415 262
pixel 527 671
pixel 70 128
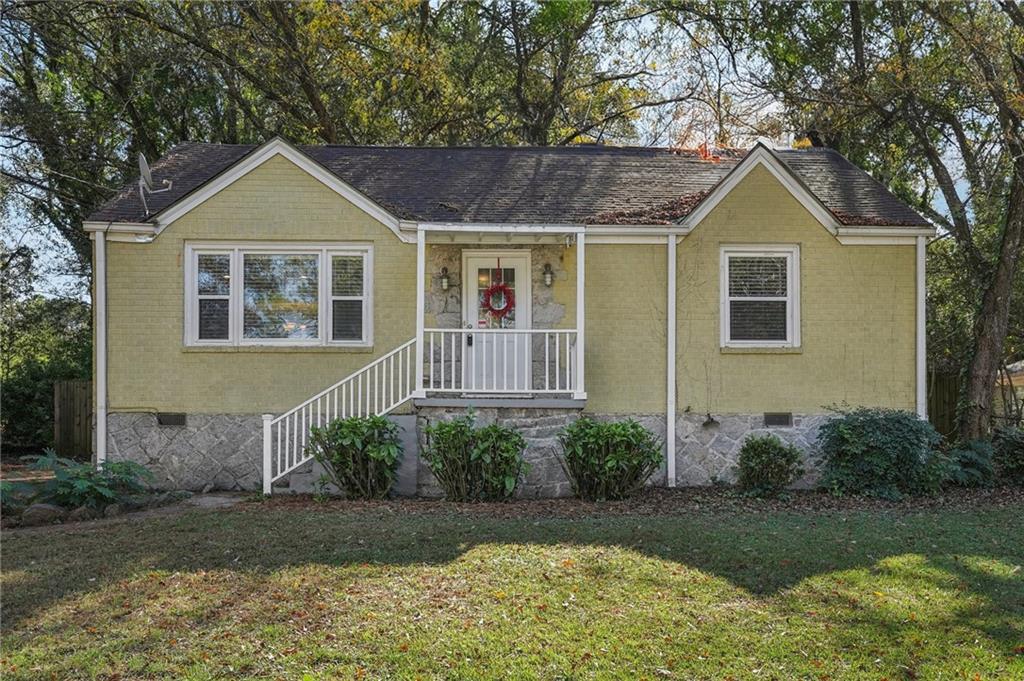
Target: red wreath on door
pixel 507 295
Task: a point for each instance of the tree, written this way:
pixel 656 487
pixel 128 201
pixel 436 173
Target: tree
pixel 928 96
pixel 85 85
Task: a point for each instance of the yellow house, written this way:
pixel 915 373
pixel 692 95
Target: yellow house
pixel 246 293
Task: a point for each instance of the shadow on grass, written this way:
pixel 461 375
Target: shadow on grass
pixel 975 553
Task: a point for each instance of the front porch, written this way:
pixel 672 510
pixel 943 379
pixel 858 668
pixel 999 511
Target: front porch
pixel 499 325
pixel 532 349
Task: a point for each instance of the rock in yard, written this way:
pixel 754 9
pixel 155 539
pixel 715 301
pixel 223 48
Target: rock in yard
pixel 42 514
pixel 113 510
pixel 81 513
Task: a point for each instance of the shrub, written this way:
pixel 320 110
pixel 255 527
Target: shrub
pixel 608 460
pixel 970 464
pixel 882 453
pixel 77 484
pixel 1008 455
pixel 475 464
pixel 768 466
pixel 360 455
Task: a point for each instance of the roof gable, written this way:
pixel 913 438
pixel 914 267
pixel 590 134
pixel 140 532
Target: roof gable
pixel 762 156
pixel 255 158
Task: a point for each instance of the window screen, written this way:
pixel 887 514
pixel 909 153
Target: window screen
pixel 347 297
pixel 214 290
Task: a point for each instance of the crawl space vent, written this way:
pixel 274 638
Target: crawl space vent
pixel 778 420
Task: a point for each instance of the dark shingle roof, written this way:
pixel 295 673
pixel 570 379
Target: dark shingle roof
pixel 547 185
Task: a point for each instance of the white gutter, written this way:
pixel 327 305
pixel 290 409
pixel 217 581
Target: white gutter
pixel 850 230
pixel 922 337
pixel 100 326
pixel 670 386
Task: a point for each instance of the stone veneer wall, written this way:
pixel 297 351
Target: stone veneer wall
pixel 540 428
pixel 446 306
pixel 215 451
pixel 707 453
pixel 224 451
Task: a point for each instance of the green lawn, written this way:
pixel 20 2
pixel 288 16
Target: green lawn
pixel 418 591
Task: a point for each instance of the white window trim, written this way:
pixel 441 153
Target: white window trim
pixel 237 250
pixel 792 253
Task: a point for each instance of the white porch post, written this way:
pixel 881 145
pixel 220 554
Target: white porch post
pixel 267 467
pixel 100 304
pixel 670 364
pixel 421 275
pixel 580 392
pixel 921 349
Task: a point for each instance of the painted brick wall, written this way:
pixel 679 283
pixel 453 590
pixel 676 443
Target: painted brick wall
pixel 150 369
pixel 626 328
pixel 857 311
pixel 857 315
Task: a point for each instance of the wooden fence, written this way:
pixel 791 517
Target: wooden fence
pixel 943 393
pixel 72 419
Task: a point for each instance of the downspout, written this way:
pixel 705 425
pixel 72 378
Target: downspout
pixel 670 372
pixel 921 345
pixel 100 329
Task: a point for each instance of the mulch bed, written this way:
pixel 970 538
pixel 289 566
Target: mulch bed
pixel 659 501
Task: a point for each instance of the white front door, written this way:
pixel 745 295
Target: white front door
pixel 497 359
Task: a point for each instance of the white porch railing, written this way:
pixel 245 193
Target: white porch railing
pixel 463 361
pixel 500 361
pixel 376 389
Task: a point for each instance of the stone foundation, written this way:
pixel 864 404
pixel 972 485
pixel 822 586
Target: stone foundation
pixel 708 452
pixel 224 451
pixel 216 451
pixel 540 428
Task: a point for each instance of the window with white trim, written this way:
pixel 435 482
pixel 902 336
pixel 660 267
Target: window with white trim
pixel 284 294
pixel 760 288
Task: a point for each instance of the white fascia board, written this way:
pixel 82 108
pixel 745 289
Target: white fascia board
pixel 637 230
pixel 877 240
pixel 760 155
pixel 256 158
pixel 501 228
pixel 141 228
pixel 850 230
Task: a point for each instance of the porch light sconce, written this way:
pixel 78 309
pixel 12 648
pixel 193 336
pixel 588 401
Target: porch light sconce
pixel 445 282
pixel 549 276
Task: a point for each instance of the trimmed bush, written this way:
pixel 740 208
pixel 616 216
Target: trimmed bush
pixel 970 464
pixel 360 455
pixel 75 483
pixel 475 464
pixel 884 453
pixel 768 466
pixel 608 459
pixel 1008 455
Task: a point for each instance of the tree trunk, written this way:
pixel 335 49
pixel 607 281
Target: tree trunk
pixel 992 322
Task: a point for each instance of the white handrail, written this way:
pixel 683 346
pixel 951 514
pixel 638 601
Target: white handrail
pixel 376 389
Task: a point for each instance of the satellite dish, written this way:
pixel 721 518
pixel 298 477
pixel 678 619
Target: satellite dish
pixel 145 175
pixel 146 182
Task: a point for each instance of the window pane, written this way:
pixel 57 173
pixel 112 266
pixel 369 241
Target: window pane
pixel 213 319
pixel 347 320
pixel 214 275
pixel 280 296
pixel 347 275
pixel 754 320
pixel 757 276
